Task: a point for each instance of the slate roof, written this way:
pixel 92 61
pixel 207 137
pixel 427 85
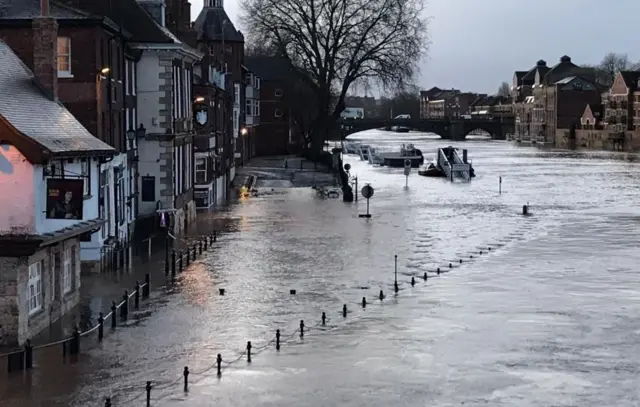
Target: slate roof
pixel 47 122
pixel 29 9
pixel 269 68
pixel 519 76
pixel 209 25
pixel 530 77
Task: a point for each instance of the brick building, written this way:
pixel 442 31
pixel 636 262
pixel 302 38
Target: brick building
pixel 96 82
pixel 276 133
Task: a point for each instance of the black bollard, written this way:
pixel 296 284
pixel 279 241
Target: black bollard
pixel 100 327
pixel 525 210
pixel 173 263
pixel 136 297
pixel 395 286
pixel 302 328
pixel 147 286
pixel 480 252
pixel 460 261
pixel 450 265
pixel 324 319
pixel 249 351
pixel 188 253
pixel 277 339
pixel 221 291
pixel 413 281
pixel 381 295
pixel 200 247
pixel 292 292
pixel 219 364
pixel 185 373
pixel 107 402
pixel 425 277
pixel 124 308
pixel 471 257
pixel 489 249
pixel 114 308
pixel 206 243
pixel 76 342
pixel 180 265
pixel 364 302
pixel 148 389
pixel 215 235
pixel 344 310
pixel 438 271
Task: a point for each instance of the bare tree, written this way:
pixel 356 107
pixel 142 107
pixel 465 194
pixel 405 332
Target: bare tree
pixel 504 89
pixel 610 65
pixel 335 43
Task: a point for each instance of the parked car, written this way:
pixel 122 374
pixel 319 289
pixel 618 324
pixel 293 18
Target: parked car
pixel 402 116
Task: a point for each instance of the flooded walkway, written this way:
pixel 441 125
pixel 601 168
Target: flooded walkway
pixel 546 318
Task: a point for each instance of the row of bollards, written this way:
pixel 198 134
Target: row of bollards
pixel 180 260
pixel 139 291
pixel 278 335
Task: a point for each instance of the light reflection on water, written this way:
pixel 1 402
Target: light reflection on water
pixel 548 318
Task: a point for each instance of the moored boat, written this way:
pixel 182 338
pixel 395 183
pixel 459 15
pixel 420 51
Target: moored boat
pixel 430 170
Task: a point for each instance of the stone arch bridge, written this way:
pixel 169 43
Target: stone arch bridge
pixel 453 129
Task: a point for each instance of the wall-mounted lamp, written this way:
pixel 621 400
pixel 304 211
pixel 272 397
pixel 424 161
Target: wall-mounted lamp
pixel 244 131
pixel 199 99
pixel 105 70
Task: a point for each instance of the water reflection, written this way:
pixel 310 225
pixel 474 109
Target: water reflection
pixel 545 319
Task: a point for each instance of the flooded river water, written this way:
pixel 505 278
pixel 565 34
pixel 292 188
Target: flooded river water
pixel 548 318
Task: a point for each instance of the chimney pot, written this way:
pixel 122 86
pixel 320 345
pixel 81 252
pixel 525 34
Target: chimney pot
pixel 44 8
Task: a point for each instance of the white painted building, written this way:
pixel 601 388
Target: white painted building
pixel 166 154
pixel 48 164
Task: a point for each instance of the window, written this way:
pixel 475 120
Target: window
pixel 85 170
pixel 127 83
pixel 67 270
pixel 256 108
pixel 277 113
pixel 148 189
pixel 104 201
pixel 201 170
pixel 249 109
pixel 34 293
pixel 257 83
pixel 119 193
pixel 64 56
pixel 278 93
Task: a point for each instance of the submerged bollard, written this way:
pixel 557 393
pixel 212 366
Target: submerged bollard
pixel 173 263
pixel 277 339
pixel 147 286
pixel 344 310
pixel 124 308
pixel 413 281
pixel 114 308
pixel 215 235
pixel 302 328
pixel 324 319
pixel 107 402
pixel 180 261
pixel 148 389
pixel 221 291
pixel 206 243
pixel 219 364
pixel 292 292
pixel 425 277
pixel 249 352
pixel 450 265
pixel 200 247
pixel 460 261
pixel 525 210
pixel 480 252
pixel 438 271
pixel 100 327
pixel 185 373
pixel 381 295
pixel 364 302
pixel 136 297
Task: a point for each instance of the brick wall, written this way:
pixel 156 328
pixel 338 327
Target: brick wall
pixel 45 55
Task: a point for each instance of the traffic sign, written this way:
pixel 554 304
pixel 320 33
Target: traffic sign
pixel 407 163
pixel 347 167
pixel 407 171
pixel 367 191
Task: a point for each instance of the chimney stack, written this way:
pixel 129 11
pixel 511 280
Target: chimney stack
pixel 45 50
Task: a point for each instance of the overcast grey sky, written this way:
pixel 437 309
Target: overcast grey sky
pixel 476 44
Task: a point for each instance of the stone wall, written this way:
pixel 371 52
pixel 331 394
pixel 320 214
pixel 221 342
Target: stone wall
pixel 16 325
pixel 596 139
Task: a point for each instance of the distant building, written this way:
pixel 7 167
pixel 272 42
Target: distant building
pixel 49 183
